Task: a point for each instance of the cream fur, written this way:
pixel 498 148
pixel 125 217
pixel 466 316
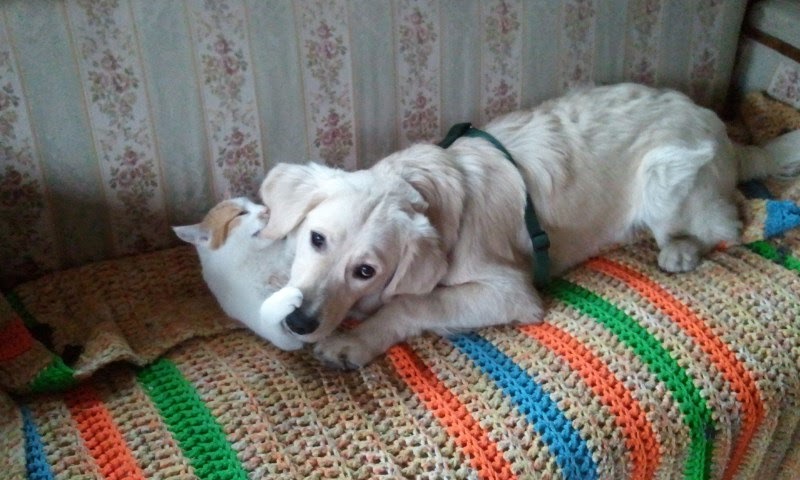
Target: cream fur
pixel 444 229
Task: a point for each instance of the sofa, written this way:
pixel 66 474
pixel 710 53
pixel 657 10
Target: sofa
pixel 119 118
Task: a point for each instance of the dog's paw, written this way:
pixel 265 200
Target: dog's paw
pixel 271 315
pixel 344 351
pixel 681 255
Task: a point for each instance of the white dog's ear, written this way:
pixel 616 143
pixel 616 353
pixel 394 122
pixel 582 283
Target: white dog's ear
pixel 194 234
pixel 289 192
pixel 422 261
pixel 434 174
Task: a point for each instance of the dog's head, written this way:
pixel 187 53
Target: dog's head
pixel 361 239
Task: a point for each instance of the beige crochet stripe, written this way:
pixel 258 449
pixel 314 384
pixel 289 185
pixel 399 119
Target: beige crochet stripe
pixel 790 466
pixel 775 282
pixel 359 450
pixel 780 443
pixel 124 299
pixel 371 453
pixel 394 408
pixel 12 442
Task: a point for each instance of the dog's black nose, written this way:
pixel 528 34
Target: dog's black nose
pixel 300 323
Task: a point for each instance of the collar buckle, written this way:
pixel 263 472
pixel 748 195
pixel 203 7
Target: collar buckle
pixel 541 242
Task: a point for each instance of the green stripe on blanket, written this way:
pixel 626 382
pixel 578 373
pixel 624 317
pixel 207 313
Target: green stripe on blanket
pixel 696 414
pixel 192 424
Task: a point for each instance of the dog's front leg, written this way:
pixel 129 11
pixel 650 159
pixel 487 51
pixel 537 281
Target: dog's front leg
pixel 445 310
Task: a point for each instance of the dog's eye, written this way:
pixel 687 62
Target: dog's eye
pixel 318 240
pixel 243 212
pixel 364 272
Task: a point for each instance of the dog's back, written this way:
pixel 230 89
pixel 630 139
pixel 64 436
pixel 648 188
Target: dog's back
pixel 603 163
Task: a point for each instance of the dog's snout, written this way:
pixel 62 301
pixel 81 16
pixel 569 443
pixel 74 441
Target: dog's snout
pixel 300 323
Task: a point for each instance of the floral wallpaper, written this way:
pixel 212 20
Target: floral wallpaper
pixel 125 156
pixel 227 87
pixel 645 19
pixel 502 79
pixel 27 242
pixel 704 57
pixel 122 130
pixel 417 51
pixel 322 26
pixel 578 40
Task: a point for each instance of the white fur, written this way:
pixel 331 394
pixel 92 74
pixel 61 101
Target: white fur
pixel 447 225
pixel 239 270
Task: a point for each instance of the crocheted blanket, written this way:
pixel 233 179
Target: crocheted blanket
pixel 127 369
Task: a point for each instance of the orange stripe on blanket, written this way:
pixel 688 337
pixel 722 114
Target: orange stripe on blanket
pixel 101 436
pixel 471 438
pixel 14 340
pixel 629 415
pixel 725 360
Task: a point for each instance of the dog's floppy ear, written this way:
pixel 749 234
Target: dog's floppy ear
pixel 422 261
pixel 289 192
pixel 434 174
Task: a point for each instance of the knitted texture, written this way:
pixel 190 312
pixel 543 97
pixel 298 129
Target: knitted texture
pixel 635 374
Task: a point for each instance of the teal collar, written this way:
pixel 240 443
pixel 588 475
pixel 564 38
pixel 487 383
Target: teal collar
pixel 539 239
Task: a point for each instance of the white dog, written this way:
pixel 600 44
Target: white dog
pixel 433 239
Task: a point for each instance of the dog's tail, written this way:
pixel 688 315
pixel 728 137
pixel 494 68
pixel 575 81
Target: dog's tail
pixel 779 157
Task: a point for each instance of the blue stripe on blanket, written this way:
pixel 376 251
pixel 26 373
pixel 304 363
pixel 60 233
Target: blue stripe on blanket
pixel 570 450
pixel 35 458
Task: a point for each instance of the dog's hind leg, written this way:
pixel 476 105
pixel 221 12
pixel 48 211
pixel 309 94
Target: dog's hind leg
pixel 704 222
pixel 687 202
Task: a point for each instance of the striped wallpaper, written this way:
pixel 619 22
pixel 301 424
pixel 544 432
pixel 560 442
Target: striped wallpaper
pixel 119 118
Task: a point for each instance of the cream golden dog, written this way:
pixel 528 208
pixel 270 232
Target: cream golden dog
pixel 433 239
